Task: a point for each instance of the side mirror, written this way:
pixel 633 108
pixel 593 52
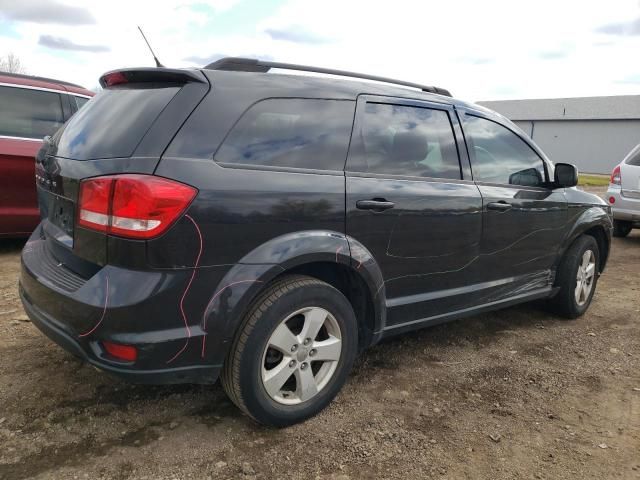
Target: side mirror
pixel 565 175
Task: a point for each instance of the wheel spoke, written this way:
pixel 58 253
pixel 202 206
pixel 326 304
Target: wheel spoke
pixel 585 290
pixel 306 386
pixel 578 291
pixel 586 259
pixel 327 350
pixel 275 378
pixel 313 321
pixel 590 270
pixel 283 339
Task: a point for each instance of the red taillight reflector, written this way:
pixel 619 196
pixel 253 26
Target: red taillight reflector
pixel 612 200
pixel 114 78
pixel 132 205
pixel 128 353
pixel 616 177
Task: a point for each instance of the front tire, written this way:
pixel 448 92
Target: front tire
pixel 293 353
pixel 577 277
pixel 621 228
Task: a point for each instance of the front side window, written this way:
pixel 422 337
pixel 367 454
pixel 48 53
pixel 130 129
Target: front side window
pixel 29 113
pixel 499 156
pixel 406 140
pixel 291 132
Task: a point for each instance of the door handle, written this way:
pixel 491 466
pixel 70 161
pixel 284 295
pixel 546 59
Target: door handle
pixel 377 205
pixel 500 206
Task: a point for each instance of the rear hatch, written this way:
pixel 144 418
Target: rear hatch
pixel 630 173
pixel 125 128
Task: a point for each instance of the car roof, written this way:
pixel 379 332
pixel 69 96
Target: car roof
pixel 315 86
pixel 43 82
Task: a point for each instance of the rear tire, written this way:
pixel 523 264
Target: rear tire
pixel 621 228
pixel 276 370
pixel 577 277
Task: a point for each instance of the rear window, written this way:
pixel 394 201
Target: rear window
pixel 114 122
pixel 634 157
pixel 291 132
pixel 29 113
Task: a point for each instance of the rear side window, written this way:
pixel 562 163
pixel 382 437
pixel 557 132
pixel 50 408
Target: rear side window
pixel 291 132
pixel 80 101
pixel 114 122
pixel 406 140
pixel 500 156
pixel 634 157
pixel 29 113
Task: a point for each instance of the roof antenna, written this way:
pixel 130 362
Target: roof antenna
pixel 158 64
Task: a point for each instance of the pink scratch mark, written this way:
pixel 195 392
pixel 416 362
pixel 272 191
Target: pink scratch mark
pixel 186 290
pixel 216 295
pixel 338 250
pixel 104 311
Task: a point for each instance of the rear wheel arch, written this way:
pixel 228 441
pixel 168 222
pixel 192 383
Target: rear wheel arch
pixel 351 284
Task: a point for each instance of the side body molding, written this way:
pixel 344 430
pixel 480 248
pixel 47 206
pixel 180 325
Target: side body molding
pixel 244 282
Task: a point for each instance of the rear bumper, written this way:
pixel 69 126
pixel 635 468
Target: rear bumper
pixel 51 328
pixel 131 307
pixel 624 208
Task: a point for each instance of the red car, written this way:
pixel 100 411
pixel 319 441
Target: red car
pixel 30 109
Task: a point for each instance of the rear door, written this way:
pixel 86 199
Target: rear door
pixel 409 205
pixel 27 115
pixel 524 220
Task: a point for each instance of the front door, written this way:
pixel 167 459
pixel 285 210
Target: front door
pixel 409 205
pixel 524 218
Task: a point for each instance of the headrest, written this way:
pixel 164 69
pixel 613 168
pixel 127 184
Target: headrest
pixel 409 146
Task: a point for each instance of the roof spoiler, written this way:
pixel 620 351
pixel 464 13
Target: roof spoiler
pixel 239 64
pixel 150 74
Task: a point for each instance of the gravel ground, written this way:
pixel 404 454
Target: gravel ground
pixel 512 394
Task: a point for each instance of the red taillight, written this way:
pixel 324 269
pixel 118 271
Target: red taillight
pixel 114 78
pixel 132 205
pixel 612 200
pixel 127 353
pixel 616 176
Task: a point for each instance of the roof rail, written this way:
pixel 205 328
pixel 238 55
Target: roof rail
pixel 239 64
pixel 42 79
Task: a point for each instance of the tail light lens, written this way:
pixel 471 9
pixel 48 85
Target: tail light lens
pixel 616 177
pixel 132 206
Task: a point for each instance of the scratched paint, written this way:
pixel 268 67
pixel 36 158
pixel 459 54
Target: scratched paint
pixel 186 290
pixel 104 310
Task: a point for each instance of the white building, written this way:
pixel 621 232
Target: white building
pixel 594 133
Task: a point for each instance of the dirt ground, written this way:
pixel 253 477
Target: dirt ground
pixel 507 395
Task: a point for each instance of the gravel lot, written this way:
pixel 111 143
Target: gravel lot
pixel 513 394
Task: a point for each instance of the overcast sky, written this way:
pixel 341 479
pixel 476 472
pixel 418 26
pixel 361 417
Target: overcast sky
pixel 479 49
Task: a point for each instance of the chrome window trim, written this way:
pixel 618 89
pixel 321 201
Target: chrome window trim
pixel 8 137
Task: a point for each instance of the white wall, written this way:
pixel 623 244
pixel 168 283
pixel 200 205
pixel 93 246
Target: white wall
pixel 595 146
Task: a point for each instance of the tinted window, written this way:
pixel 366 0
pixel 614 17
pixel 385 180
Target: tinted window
pixel 634 157
pixel 404 140
pixel 29 113
pixel 500 156
pixel 114 122
pixel 302 133
pixel 80 101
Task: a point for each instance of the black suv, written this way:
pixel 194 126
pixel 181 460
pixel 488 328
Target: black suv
pixel 265 228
